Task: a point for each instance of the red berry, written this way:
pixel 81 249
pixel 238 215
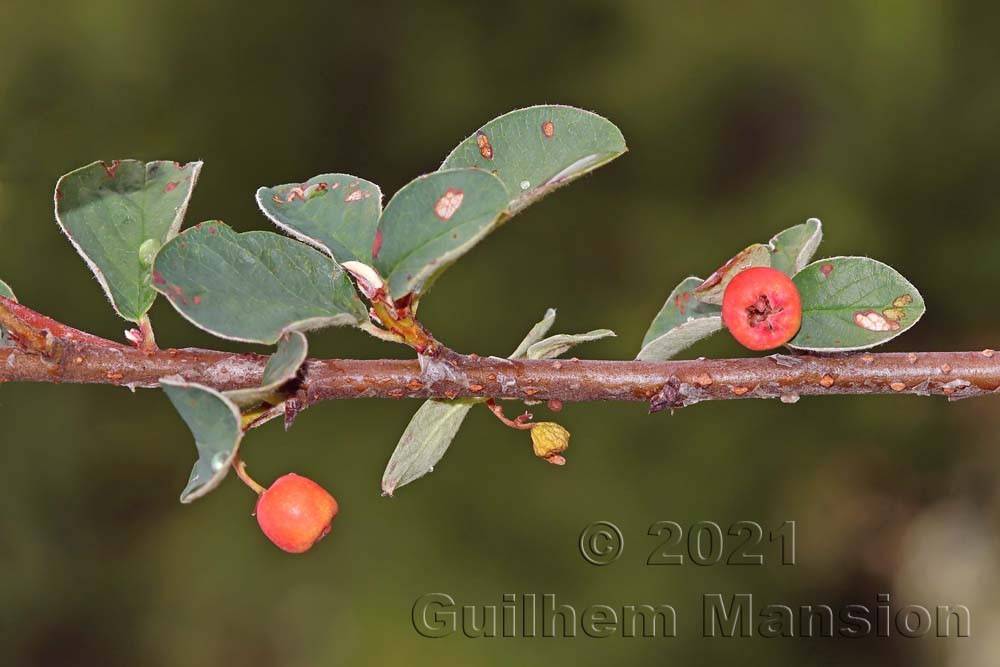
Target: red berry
pixel 295 513
pixel 762 308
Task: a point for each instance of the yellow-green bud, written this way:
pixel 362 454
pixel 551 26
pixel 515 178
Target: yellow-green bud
pixel 549 440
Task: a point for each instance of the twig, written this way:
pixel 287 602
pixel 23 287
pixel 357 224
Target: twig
pixel 87 359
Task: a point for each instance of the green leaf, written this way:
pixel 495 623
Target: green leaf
pixel 538 149
pixel 434 220
pixel 713 289
pixel 792 249
pixel 253 286
pixel 553 346
pixel 337 213
pixel 536 334
pixel 423 443
pixel 283 365
pixel 683 321
pixel 853 303
pixel 215 423
pixel 435 424
pixel 117 214
pixel 5 291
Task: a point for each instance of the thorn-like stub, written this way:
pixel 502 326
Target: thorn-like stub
pixel 669 396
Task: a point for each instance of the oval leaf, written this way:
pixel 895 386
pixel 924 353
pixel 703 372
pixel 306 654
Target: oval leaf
pixel 536 150
pixel 434 220
pixel 714 287
pixel 792 249
pixel 683 321
pixel 337 213
pixel 536 334
pixel 117 215
pixel 215 424
pixel 253 286
pixel 853 303
pixel 283 365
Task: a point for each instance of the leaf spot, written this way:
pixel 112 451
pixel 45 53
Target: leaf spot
pixel 197 300
pixel 874 321
pixel 548 129
pixel 377 245
pixel 485 147
pixel 355 195
pixel 894 314
pixel 449 202
pixel 525 185
pixel 826 270
pixel 110 169
pixel 902 301
pixel 171 186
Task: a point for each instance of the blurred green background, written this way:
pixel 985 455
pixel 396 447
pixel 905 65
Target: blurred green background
pixel 880 118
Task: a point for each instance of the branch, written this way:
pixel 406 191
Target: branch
pixel 52 352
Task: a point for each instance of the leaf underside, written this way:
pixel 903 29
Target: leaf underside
pixel 215 424
pixel 792 248
pixel 109 210
pixel 253 286
pixel 281 367
pixel 682 321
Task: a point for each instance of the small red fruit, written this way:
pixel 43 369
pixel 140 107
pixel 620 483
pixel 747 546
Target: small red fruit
pixel 762 308
pixel 295 513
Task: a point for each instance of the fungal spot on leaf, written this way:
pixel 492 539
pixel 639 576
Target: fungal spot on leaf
pixel 826 270
pixel 377 244
pixel 171 186
pixel 485 147
pixel 314 190
pixel 197 300
pixel 158 279
pixel 894 314
pixel 874 321
pixel 902 301
pixel 110 169
pixel 295 193
pixel 448 204
pixel 355 195
pixel 525 185
pixel 548 129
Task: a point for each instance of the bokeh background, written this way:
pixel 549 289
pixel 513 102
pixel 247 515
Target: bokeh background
pixel 880 118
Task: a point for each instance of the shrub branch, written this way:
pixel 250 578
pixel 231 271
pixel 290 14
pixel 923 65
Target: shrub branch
pixel 48 351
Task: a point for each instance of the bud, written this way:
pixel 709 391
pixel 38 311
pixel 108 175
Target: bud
pixel 549 440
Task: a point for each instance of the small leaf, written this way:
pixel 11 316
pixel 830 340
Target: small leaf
pixel 713 289
pixel 853 303
pixel 283 365
pixel 434 220
pixel 536 334
pixel 683 321
pixel 433 427
pixel 337 213
pixel 253 286
pixel 111 211
pixel 424 442
pixel 538 149
pixel 792 249
pixel 6 291
pixel 554 346
pixel 215 423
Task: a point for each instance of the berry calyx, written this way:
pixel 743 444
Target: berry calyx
pixel 295 513
pixel 762 308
